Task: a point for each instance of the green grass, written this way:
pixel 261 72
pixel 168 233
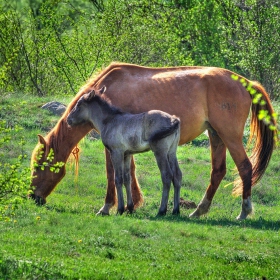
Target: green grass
pixel 66 240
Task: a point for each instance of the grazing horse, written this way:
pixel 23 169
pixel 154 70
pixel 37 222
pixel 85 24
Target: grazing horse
pixel 204 98
pixel 125 134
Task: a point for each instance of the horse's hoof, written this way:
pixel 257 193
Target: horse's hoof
pixel 247 209
pixel 105 210
pixel 100 213
pixel 39 201
pixel 194 215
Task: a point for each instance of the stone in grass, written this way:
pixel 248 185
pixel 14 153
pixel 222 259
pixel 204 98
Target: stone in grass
pixel 55 107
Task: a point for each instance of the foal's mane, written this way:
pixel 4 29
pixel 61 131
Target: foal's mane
pixel 104 103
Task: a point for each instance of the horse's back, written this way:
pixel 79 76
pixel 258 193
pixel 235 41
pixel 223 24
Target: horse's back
pixel 197 95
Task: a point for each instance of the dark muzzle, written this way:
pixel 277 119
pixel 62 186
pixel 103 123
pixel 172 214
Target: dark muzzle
pixel 38 200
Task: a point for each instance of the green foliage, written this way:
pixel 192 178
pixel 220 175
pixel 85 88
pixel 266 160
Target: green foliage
pixel 15 174
pixel 55 46
pixel 14 177
pixel 54 166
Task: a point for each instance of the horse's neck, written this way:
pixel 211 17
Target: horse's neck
pixel 63 139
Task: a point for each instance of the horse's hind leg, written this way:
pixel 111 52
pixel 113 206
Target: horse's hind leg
pixel 244 167
pixel 127 182
pixel 218 156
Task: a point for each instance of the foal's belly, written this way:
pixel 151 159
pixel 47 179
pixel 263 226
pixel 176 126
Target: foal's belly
pixel 136 144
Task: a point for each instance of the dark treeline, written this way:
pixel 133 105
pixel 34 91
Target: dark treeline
pixel 53 46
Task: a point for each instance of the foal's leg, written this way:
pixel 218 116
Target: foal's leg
pixel 127 182
pixel 118 163
pixel 218 155
pixel 166 177
pixel 176 176
pixel 110 199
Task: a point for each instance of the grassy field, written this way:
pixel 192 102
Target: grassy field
pixel 66 240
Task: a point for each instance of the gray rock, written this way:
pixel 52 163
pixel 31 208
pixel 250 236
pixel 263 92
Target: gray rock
pixel 55 107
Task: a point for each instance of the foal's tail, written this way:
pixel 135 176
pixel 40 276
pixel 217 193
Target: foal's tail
pixel 263 133
pixel 174 125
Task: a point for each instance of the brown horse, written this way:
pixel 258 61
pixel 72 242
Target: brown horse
pixel 202 97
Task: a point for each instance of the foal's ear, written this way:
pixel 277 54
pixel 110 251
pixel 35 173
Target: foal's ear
pixel 102 90
pixel 90 95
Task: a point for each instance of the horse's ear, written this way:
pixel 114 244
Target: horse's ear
pixel 90 95
pixel 42 140
pixel 102 90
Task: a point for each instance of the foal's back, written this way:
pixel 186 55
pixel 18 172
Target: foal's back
pixel 133 132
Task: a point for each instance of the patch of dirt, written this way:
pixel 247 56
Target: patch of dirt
pixel 187 204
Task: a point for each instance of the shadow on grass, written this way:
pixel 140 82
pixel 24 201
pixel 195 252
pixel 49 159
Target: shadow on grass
pixel 261 223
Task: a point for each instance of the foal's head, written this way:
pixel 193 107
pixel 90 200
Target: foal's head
pixel 81 112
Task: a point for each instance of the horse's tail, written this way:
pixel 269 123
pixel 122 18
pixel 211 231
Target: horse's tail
pixel 263 133
pixel 160 134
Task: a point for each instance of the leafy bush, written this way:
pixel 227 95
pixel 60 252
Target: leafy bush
pixel 54 46
pixel 14 177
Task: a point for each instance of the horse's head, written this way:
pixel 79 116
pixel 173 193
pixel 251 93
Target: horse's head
pixel 46 171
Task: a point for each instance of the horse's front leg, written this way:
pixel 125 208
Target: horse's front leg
pixel 110 199
pixel 127 182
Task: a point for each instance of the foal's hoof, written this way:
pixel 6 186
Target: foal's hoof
pixel 120 211
pixel 161 213
pixel 129 209
pixel 175 212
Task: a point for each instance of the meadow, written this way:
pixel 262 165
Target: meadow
pixel 66 240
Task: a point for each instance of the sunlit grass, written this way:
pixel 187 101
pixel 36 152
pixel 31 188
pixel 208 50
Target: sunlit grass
pixel 66 240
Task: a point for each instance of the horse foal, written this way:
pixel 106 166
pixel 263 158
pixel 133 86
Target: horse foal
pixel 125 134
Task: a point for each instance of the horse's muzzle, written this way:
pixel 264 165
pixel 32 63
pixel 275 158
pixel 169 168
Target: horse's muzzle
pixel 38 200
